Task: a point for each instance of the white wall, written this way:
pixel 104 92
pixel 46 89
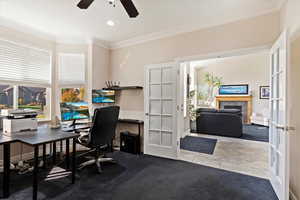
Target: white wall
pixel 127 64
pixel 250 69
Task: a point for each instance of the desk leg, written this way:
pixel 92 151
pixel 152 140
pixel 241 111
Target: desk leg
pixel 35 172
pixel 44 155
pixel 54 153
pixel 74 161
pixel 68 154
pixel 6 166
pixel 139 147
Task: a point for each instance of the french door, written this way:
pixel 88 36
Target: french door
pixel 278 144
pixel 160 135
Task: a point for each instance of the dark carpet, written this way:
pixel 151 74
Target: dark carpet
pixel 198 144
pixel 149 178
pixel 256 133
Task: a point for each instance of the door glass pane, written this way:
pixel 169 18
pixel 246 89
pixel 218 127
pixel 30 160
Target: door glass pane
pixel 272 157
pixel 167 107
pixel 282 55
pixel 277 61
pixel 167 123
pixel 274 111
pixel 166 139
pixel 167 92
pixel 281 115
pixel 281 85
pixel 277 163
pixel 155 107
pixel 154 137
pixel 154 122
pixel 273 88
pixel 155 76
pixel 155 91
pixel 273 64
pixel 167 75
pixel 6 96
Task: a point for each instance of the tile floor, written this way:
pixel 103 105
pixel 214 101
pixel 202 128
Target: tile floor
pixel 233 154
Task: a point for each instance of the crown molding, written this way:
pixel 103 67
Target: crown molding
pixel 178 31
pixel 100 43
pixel 10 25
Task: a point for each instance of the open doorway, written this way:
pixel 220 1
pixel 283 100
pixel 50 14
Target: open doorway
pixel 227 106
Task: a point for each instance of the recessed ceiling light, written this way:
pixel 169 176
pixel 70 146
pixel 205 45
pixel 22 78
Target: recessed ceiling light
pixel 110 23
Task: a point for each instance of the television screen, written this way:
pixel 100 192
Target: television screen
pixel 103 96
pixel 233 90
pixel 74 110
pixel 72 94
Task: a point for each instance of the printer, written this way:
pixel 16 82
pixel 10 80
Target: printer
pixel 17 120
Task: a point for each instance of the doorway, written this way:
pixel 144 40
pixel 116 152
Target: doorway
pixel 242 145
pixel 276 148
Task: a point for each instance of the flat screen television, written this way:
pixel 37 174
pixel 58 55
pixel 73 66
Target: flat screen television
pixel 71 111
pixel 103 96
pixel 233 89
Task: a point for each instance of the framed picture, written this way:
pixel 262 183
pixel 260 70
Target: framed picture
pixel 264 92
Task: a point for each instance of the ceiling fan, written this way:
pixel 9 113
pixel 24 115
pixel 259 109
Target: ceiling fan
pixel 127 4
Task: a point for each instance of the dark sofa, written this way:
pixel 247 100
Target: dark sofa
pixel 223 122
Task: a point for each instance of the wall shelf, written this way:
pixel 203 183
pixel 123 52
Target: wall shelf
pixel 124 88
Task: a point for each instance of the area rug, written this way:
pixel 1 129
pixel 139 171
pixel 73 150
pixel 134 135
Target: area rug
pixel 198 144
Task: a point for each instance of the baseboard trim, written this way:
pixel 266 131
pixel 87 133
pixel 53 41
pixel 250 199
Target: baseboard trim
pixel 292 195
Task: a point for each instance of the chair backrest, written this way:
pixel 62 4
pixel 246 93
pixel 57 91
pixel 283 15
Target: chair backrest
pixel 104 125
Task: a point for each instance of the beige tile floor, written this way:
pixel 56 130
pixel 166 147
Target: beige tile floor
pixel 233 154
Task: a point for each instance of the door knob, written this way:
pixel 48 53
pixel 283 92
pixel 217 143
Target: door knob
pixel 147 114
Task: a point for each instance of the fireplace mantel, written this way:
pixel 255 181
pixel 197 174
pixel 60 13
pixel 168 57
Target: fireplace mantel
pixel 238 98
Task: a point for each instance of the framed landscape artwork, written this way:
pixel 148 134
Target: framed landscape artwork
pixel 264 92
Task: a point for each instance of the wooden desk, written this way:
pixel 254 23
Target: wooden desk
pixel 42 136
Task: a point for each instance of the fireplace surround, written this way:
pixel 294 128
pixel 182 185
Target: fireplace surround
pixel 242 102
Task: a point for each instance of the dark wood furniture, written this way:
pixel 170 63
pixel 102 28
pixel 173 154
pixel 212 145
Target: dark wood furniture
pixel 124 88
pixel 42 136
pixel 139 123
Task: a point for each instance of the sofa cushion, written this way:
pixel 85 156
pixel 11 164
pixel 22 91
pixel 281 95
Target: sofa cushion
pixel 210 110
pixel 233 111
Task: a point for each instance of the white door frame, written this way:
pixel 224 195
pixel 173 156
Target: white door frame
pixel 236 52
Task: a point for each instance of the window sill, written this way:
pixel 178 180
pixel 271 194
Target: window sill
pixel 44 120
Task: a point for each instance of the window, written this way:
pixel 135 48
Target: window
pixel 71 78
pixel 24 64
pixel 21 66
pixel 6 96
pixel 72 95
pixel 71 70
pixel 34 98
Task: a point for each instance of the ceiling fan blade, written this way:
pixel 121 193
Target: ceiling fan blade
pixel 84 4
pixel 130 8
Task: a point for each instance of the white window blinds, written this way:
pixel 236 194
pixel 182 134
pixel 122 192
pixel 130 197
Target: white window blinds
pixel 23 64
pixel 71 69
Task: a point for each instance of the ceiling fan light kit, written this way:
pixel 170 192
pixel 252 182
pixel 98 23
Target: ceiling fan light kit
pixel 127 4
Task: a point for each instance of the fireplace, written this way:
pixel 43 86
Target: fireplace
pixel 234 107
pixel 241 102
pixel 242 106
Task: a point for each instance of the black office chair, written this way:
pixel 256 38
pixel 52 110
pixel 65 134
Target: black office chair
pixel 100 135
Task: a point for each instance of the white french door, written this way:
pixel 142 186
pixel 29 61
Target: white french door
pixel 278 144
pixel 160 135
